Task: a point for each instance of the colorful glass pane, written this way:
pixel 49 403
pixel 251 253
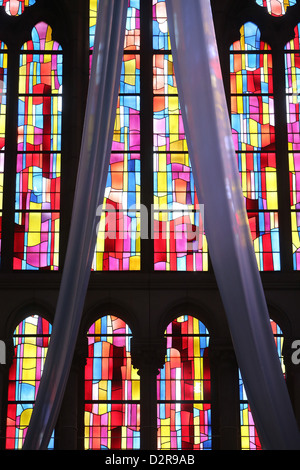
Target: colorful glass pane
pixel 31 340
pixel 253 130
pixel 16 7
pixel 292 89
pixel 37 204
pixel 179 240
pixel 183 388
pixel 132 31
pixel 249 436
pixel 118 241
pixel 3 90
pixel 112 388
pixel 160 31
pixel 276 7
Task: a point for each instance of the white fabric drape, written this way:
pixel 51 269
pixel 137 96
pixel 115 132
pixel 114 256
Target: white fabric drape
pixel 208 131
pixel 89 193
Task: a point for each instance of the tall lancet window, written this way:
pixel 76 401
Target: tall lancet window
pixel 253 129
pixel 31 340
pixel 292 82
pixel 112 388
pixel 118 241
pixel 249 436
pixel 179 240
pixel 37 202
pixel 3 90
pixel 183 388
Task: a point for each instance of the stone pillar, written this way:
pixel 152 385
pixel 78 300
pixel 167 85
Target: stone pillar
pixel 148 357
pixel 4 372
pixel 68 435
pixel 225 398
pixel 291 357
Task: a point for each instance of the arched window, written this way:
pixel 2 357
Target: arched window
pixel 31 340
pixel 249 436
pixel 112 388
pixel 16 7
pixel 179 240
pixel 118 241
pixel 37 202
pixel 183 388
pixel 3 91
pixel 252 116
pixel 292 84
pixel 276 7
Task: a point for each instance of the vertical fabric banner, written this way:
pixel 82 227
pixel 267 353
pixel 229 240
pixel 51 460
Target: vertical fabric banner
pixel 208 132
pixel 89 194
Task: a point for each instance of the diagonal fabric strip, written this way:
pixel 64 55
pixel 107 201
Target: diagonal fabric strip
pixel 89 193
pixel 208 132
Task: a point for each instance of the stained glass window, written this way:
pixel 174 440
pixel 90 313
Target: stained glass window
pixel 16 7
pixel 3 90
pixel 183 388
pixel 112 388
pixel 37 204
pixel 118 241
pixel 292 84
pixel 179 240
pixel 249 436
pixel 252 117
pixel 31 340
pixel 276 7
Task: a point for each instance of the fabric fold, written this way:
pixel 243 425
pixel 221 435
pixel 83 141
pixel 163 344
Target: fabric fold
pixel 89 194
pixel 208 132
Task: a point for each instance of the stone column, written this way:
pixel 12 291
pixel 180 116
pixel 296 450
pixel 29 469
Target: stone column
pixel 5 364
pixel 68 435
pixel 225 398
pixel 148 357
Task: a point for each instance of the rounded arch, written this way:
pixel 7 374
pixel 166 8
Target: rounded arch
pixel 184 387
pixel 111 384
pixel 198 310
pixel 108 308
pixel 27 309
pixel 41 33
pixel 30 344
pixel 280 317
pixel 253 40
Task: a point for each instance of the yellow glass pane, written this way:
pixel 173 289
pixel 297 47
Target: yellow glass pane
pixel 25 418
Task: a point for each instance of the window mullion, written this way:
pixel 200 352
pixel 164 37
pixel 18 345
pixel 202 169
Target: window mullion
pixel 147 250
pixel 283 185
pixel 10 161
